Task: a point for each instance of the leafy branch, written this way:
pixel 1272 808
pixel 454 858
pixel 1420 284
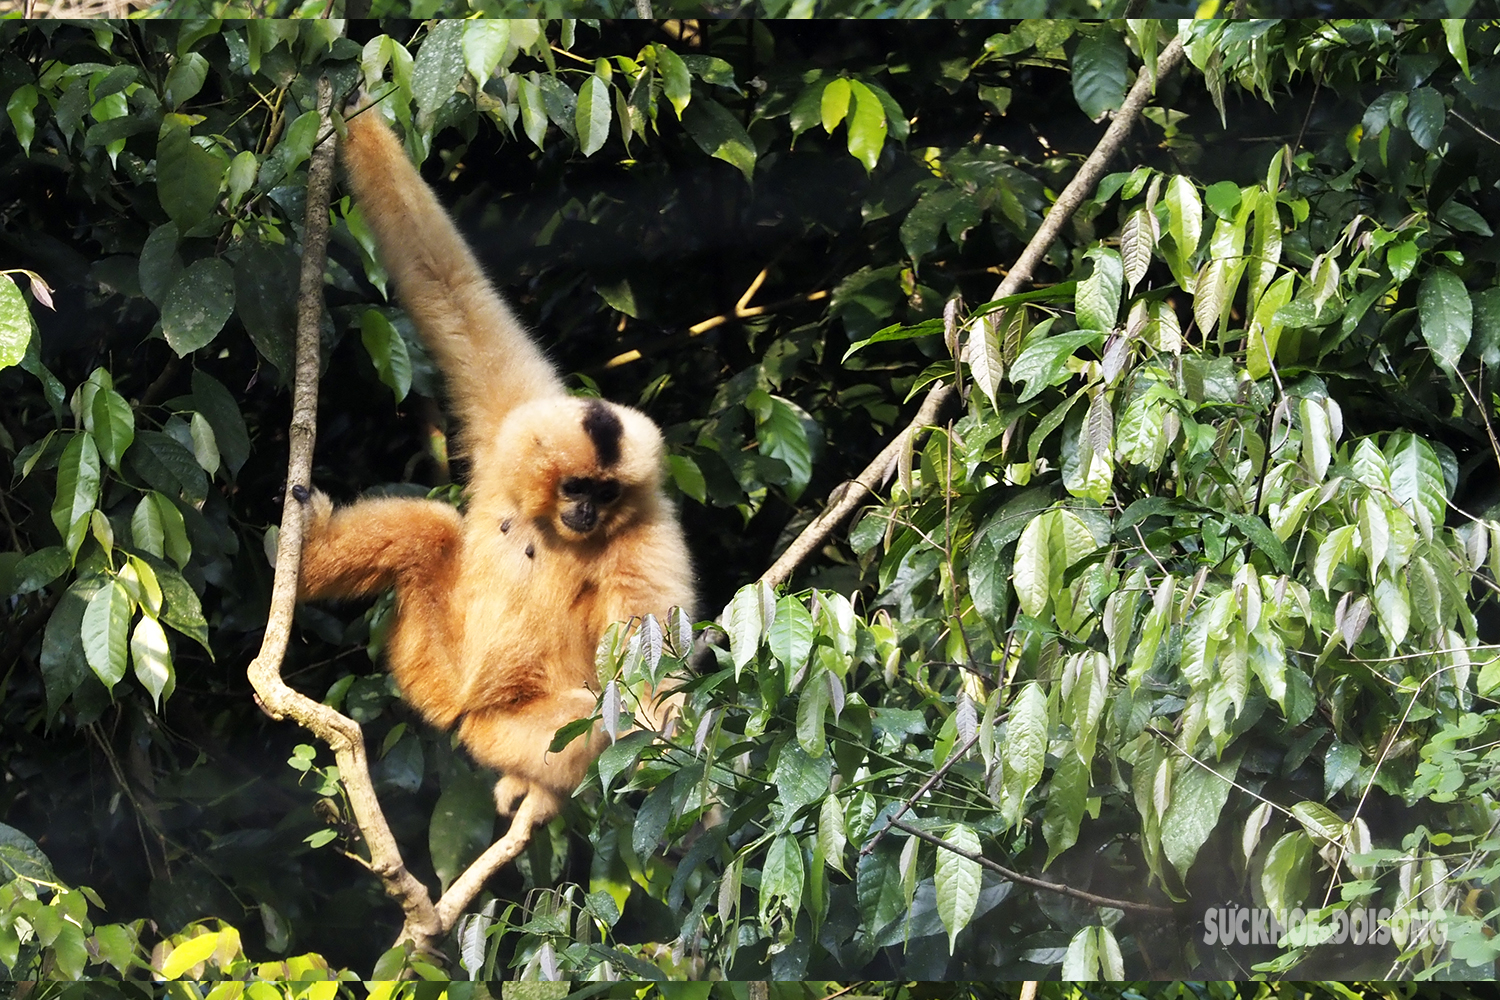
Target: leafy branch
pixel 849 495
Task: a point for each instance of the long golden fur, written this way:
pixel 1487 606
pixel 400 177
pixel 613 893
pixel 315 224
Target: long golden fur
pixel 499 610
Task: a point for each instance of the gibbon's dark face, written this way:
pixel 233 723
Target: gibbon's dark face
pixel 584 499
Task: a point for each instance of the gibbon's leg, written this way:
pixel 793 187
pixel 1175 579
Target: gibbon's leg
pixel 491 362
pixel 412 545
pixel 515 741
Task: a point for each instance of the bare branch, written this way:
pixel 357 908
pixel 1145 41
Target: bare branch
pixel 277 699
pixel 1036 883
pixel 849 495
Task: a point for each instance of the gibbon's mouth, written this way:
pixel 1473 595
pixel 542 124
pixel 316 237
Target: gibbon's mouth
pixel 582 518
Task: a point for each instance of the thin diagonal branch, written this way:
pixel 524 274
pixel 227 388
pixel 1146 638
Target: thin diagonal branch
pixel 1035 883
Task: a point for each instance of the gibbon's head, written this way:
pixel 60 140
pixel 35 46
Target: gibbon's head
pixel 585 466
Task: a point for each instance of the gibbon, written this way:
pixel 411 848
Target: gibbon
pixel 566 529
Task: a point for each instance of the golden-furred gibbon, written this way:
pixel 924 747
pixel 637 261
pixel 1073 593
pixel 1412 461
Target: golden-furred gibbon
pixel 566 528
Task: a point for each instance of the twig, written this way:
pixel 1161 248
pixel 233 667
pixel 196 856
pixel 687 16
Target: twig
pixel 846 496
pixel 1036 883
pixel 926 786
pixel 1484 415
pixel 278 700
pixel 1028 990
pixel 643 9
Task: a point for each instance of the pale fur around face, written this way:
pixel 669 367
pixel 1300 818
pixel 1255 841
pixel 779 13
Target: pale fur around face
pixel 498 611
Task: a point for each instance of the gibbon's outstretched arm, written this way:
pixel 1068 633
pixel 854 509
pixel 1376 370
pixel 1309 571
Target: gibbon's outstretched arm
pixel 491 362
pixel 412 545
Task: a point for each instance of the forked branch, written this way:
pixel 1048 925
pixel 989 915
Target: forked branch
pixel 849 495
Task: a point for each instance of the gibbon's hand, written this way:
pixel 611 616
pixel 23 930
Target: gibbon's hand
pixel 300 493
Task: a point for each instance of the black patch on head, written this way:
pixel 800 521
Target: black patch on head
pixel 605 430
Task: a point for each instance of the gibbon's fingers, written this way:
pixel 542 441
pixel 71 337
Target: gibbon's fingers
pixel 509 791
pixel 490 361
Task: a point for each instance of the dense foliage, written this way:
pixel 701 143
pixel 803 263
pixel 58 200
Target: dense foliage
pixel 1182 610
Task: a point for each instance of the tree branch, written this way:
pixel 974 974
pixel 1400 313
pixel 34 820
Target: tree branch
pixel 849 495
pixel 278 700
pixel 1035 883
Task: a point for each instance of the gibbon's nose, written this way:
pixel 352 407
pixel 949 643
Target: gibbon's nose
pixel 581 517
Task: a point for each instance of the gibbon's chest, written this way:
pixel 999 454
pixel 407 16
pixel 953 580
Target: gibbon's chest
pixel 519 579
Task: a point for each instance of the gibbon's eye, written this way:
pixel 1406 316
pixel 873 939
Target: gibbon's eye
pixel 607 492
pixel 577 487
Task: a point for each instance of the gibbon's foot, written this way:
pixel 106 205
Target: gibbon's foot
pixel 541 803
pixel 301 494
pixel 509 791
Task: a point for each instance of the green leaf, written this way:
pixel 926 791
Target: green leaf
pixel 198 305
pixel 1184 219
pixel 113 426
pixel 831 836
pixel 21 109
pixel 205 447
pixel 485 42
pixel 1286 878
pixel 533 110
pixel 15 323
pixel 1424 116
pixel 146 529
pixel 1447 316
pixel 957 880
pixel 1032 573
pixel 34 571
pixel 77 489
pixel 1098 296
pixel 791 634
pixel 1024 750
pixel 675 81
pixel 106 624
pixel 187 175
pixel 160 264
pixel 781 431
pixel 1198 796
pixel 185 79
pixel 782 877
pixel 1067 797
pixel 188 954
pixel 800 779
pixel 622 755
pixel 220 409
pixel 168 467
pixel 878 890
pixel 867 127
pixel 1416 477
pixel 720 134
pixel 593 115
pixel 744 625
pixel 1044 362
pixel 241 176
pixel 1332 553
pixel 1393 609
pixel 1137 240
pixel 387 349
pixel 173 529
pixel 924 221
pixel 1317 438
pixel 152 658
pixel 1453 33
pixel 835 103
pixel 1100 73
pixel 440 64
pixel 1081 961
pixel 463 824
